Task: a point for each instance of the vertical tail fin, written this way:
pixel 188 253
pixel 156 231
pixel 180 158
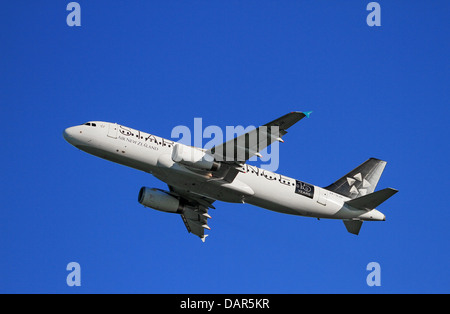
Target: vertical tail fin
pixel 360 181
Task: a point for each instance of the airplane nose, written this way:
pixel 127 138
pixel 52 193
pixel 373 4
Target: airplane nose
pixel 68 134
pixel 72 135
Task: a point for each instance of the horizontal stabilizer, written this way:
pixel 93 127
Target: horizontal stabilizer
pixel 353 226
pixel 371 201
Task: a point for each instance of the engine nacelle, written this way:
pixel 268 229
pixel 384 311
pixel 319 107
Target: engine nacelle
pixel 194 157
pixel 159 200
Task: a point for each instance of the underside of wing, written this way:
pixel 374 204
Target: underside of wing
pixel 195 213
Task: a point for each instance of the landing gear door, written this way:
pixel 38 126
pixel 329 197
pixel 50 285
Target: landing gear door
pixel 323 195
pixel 112 132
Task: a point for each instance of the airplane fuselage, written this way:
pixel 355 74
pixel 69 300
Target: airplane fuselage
pixel 252 185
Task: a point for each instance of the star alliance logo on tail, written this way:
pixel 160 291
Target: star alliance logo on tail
pixel 361 182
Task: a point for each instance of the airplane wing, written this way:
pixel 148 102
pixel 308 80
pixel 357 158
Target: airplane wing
pixel 245 146
pixel 195 215
pixel 237 151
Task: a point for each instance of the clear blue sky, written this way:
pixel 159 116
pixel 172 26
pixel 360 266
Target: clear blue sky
pixel 374 92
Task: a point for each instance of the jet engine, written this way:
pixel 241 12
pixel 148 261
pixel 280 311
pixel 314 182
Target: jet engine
pixel 194 157
pixel 159 200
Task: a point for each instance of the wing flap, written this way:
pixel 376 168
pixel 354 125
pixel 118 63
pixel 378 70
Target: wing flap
pixel 194 222
pixel 195 214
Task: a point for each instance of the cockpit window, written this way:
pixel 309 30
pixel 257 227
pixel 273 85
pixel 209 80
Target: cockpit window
pixel 93 124
pixel 90 124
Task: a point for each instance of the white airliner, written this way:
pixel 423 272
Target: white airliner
pixel 198 177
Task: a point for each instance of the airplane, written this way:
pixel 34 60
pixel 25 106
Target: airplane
pixel 198 177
